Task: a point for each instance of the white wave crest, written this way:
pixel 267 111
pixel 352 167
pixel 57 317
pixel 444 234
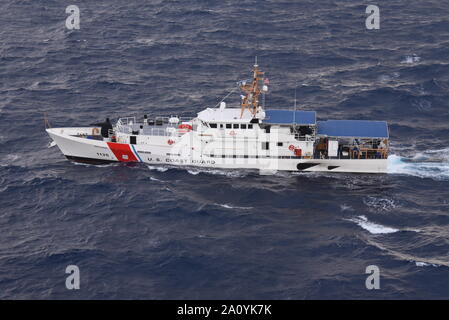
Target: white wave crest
pixel 411 59
pixel 158 168
pixel 227 206
pixel 221 172
pixel 345 207
pixel 94 165
pixel 146 41
pixel 425 264
pixel 372 227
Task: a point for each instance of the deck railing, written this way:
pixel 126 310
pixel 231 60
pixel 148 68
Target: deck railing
pixel 369 153
pixel 158 126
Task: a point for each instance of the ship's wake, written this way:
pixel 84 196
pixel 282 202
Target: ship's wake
pixel 433 164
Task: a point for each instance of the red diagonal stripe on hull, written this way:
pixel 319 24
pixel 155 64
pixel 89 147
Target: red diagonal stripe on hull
pixel 122 152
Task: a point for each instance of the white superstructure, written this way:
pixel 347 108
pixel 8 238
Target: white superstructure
pixel 248 136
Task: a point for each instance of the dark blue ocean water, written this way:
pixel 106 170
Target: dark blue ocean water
pixel 158 232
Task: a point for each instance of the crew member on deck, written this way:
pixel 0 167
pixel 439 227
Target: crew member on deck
pixel 383 147
pixel 320 149
pixel 105 127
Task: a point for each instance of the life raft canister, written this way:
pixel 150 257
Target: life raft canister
pixel 185 126
pixel 170 142
pixel 298 152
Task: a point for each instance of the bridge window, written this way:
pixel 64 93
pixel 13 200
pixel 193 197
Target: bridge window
pixel 213 125
pixel 228 126
pixel 250 126
pixel 236 126
pixel 243 126
pixel 265 145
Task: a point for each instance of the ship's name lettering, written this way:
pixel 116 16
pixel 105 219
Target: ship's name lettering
pixel 202 162
pixel 184 161
pixel 176 160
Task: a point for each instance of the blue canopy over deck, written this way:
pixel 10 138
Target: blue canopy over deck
pixel 290 117
pixel 353 128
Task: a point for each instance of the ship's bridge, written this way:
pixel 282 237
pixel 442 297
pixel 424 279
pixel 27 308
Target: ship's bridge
pixel 272 117
pixel 228 115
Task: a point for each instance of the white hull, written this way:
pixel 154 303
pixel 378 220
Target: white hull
pixel 190 150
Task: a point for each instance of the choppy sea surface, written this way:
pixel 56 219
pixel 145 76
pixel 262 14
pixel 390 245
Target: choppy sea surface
pixel 164 233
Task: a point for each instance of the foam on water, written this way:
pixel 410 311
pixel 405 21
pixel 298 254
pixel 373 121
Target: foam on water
pixel 145 41
pixel 52 144
pixel 425 168
pixel 436 155
pixel 233 173
pixel 380 204
pixel 345 207
pixel 82 164
pixel 425 264
pixel 411 59
pixel 158 168
pixel 372 227
pixel 227 206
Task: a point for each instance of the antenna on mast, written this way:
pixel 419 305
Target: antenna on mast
pixel 294 112
pixel 252 90
pixel 295 96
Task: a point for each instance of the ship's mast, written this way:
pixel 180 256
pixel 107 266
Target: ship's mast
pixel 252 91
